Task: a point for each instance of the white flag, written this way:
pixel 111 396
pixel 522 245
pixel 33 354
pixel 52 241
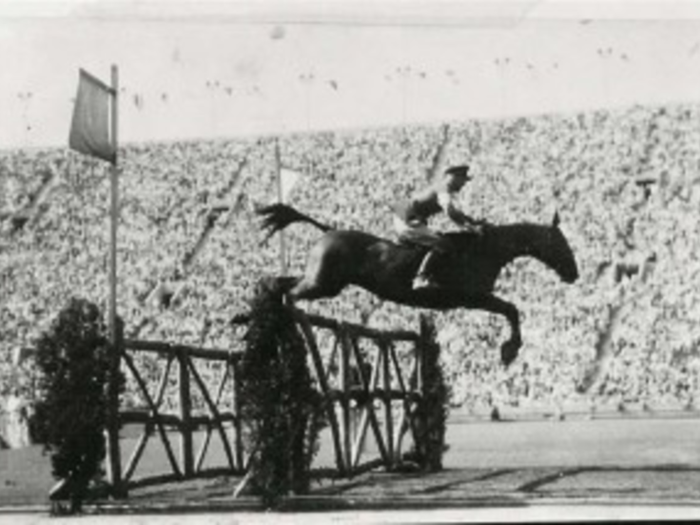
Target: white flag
pixel 288 179
pixel 90 128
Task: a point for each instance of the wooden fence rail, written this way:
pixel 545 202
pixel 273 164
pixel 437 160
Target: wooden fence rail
pixel 189 461
pixel 367 393
pixel 372 392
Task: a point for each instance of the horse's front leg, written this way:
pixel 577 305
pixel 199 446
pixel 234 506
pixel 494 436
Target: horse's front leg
pixel 493 304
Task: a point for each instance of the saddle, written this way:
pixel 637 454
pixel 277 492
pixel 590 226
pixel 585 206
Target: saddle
pixel 444 242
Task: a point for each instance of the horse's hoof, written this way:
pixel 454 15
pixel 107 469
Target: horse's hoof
pixel 509 352
pixel 507 361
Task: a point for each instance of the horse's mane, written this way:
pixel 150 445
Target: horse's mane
pixel 460 238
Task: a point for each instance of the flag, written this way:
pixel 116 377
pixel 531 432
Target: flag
pixel 90 128
pixel 21 354
pixel 288 179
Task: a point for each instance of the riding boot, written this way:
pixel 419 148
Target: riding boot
pixel 424 276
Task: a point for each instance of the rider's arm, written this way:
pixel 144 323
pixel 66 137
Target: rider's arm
pixel 447 203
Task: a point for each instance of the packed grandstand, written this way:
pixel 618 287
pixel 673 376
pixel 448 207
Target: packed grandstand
pixel 625 183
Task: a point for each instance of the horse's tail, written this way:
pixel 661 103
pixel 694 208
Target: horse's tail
pixel 277 217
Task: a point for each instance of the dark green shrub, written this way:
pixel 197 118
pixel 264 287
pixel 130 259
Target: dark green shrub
pixel 280 406
pixel 432 412
pixel 73 358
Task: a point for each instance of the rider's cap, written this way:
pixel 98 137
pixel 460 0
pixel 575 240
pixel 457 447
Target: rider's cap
pixel 461 171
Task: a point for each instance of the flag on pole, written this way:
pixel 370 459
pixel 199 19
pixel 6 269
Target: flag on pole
pixel 94 131
pixel 288 179
pixel 90 128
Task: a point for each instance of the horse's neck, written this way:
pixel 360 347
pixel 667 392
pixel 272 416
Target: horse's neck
pixel 524 240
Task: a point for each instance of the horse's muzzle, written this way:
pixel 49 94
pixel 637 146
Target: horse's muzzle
pixel 570 276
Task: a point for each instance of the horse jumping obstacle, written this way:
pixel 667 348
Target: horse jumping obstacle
pixel 366 387
pixel 369 387
pixel 187 419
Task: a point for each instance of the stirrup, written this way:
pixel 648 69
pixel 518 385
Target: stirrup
pixel 422 282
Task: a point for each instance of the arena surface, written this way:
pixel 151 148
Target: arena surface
pixel 518 471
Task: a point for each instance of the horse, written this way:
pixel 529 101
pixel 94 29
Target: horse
pixel 386 268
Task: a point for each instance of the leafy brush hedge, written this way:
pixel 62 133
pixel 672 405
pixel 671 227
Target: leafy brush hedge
pixel 433 411
pixel 280 405
pixel 74 360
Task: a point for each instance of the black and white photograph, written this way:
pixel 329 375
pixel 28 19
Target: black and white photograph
pixel 341 261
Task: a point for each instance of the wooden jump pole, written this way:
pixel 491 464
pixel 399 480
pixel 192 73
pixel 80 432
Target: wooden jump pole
pixel 368 416
pixel 388 414
pixel 116 338
pixel 346 428
pixel 321 376
pixel 186 438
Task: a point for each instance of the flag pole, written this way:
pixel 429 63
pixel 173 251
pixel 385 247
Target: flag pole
pixel 280 199
pixel 114 211
pixel 113 430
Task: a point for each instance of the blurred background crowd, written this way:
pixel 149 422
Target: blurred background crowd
pixel 625 183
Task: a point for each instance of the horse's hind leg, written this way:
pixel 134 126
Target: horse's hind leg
pixel 295 288
pixel 308 289
pixel 491 303
pixel 323 276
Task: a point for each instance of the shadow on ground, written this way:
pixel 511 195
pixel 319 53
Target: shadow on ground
pixel 489 465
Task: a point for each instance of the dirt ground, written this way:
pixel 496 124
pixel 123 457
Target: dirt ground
pixel 489 464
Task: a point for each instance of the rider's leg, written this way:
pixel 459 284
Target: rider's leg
pixel 419 234
pixel 424 275
pixel 432 261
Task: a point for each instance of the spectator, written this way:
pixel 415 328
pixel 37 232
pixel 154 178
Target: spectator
pixel 584 164
pixel 17 427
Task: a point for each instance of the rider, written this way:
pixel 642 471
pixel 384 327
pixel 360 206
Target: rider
pixel 411 219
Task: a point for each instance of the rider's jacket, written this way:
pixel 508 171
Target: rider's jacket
pixel 416 212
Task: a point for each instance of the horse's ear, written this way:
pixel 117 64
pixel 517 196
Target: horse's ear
pixel 555 221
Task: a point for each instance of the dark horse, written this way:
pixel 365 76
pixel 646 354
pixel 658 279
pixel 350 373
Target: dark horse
pixel 385 268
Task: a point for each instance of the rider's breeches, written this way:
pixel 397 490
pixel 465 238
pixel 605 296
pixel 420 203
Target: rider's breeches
pixel 422 235
pixel 418 234
pixel 432 260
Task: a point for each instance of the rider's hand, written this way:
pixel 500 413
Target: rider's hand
pixel 481 224
pixel 474 227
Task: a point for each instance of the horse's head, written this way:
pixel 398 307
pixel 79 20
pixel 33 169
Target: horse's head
pixel 503 243
pixel 557 253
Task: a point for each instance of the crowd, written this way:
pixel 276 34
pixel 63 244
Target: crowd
pixel 624 182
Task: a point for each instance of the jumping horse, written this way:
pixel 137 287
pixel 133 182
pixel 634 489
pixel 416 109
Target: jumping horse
pixel 385 268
